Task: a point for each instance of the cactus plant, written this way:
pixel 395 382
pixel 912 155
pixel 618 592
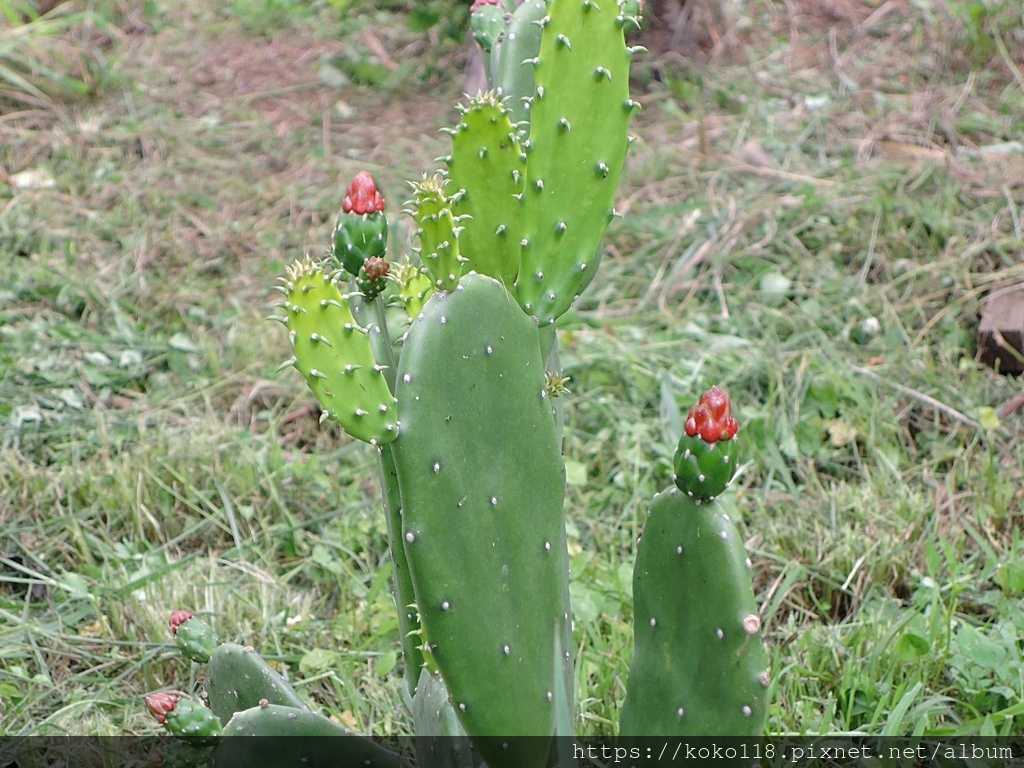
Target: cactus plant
pixel 699 666
pixel 461 410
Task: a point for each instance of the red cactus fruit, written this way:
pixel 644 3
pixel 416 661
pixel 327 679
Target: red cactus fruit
pixel 712 418
pixel 160 705
pixel 362 197
pixel 177 619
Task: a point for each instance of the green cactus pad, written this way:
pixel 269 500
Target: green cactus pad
pixel 579 113
pixel 438 232
pixel 512 60
pixel 489 166
pixel 703 470
pixel 315 744
pixel 334 355
pixel 238 678
pixel 483 486
pixel 196 639
pixel 192 722
pixel 699 665
pixel 414 287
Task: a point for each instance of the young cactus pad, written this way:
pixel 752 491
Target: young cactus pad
pixel 488 164
pixel 708 451
pixel 579 113
pixel 334 355
pixel 438 232
pixel 483 484
pixel 699 666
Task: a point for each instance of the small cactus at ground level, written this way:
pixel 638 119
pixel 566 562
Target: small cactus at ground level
pixel 299 738
pixel 361 231
pixel 699 666
pixel 707 455
pixel 184 718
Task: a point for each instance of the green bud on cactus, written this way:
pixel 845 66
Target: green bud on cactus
pixel 361 231
pixel 706 458
pixel 184 718
pixel 195 638
pixel 373 277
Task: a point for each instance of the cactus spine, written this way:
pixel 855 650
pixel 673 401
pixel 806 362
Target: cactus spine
pixel 699 666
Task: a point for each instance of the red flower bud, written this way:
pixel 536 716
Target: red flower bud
pixel 160 705
pixel 479 3
pixel 712 418
pixel 362 197
pixel 177 619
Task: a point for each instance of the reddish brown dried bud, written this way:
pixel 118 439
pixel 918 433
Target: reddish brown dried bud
pixel 362 197
pixel 160 705
pixel 712 418
pixel 177 619
pixel 376 268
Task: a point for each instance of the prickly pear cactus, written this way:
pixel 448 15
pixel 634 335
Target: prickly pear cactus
pixel 334 355
pixel 488 165
pixel 708 451
pixel 699 666
pixel 579 112
pixel 361 231
pixel 238 678
pixel 482 484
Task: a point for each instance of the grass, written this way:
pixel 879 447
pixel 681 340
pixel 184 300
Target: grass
pixel 808 222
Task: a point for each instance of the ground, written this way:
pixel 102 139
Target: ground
pixel 816 205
